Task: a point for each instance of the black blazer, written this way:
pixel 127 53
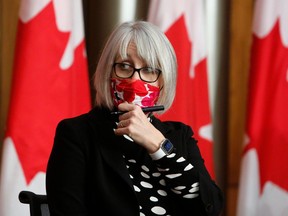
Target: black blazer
pixel 86 174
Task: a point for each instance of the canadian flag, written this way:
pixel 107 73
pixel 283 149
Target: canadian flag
pixel 50 82
pixel 184 24
pixel 263 187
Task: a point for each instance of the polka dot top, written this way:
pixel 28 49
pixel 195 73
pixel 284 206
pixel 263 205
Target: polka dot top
pixel 158 182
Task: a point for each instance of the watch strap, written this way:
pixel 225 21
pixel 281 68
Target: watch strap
pixel 160 153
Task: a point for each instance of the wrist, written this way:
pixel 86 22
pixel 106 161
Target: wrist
pixel 165 148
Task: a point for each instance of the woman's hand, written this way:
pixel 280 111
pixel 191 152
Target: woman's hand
pixel 136 125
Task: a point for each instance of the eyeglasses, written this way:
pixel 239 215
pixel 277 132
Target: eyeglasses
pixel 146 74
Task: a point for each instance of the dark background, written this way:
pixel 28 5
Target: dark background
pixel 100 17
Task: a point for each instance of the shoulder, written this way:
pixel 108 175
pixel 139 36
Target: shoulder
pixel 74 121
pixel 84 128
pixel 72 127
pixel 85 122
pixel 94 115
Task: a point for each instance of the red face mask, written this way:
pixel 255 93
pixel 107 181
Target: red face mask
pixel 137 92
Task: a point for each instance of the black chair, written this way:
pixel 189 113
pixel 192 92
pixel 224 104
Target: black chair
pixel 38 203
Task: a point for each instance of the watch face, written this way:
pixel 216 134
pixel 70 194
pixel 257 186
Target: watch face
pixel 167 146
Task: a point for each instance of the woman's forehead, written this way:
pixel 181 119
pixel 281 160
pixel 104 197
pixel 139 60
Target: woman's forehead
pixel 133 49
pixel 130 51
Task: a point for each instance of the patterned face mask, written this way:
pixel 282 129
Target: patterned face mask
pixel 137 92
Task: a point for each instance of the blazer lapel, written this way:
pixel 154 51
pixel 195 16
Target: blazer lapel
pixel 109 145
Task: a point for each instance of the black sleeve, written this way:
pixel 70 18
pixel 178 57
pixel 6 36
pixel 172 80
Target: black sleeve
pixel 65 173
pixel 187 175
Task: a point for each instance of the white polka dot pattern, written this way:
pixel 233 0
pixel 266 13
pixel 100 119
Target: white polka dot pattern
pixel 150 181
pixel 158 210
pixel 153 199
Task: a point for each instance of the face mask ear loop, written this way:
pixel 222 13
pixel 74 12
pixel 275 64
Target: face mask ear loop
pixel 160 92
pixel 114 91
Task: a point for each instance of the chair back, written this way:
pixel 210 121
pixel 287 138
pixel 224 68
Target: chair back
pixel 37 202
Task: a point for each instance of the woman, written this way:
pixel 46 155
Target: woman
pixel 130 163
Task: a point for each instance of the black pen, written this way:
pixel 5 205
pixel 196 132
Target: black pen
pixel 144 109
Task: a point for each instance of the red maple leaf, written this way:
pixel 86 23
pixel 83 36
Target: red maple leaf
pixel 42 93
pixel 268 107
pixel 191 104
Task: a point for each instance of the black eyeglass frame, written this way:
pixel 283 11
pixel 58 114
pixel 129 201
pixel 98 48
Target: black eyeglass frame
pixel 136 70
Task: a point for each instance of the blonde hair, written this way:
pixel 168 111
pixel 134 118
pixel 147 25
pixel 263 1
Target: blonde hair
pixel 152 46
